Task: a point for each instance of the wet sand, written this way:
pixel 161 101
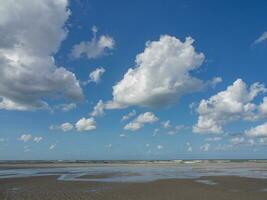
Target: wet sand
pixel 108 175
pixel 49 188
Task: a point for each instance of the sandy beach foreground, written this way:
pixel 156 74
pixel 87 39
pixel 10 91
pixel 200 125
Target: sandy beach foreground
pixel 219 188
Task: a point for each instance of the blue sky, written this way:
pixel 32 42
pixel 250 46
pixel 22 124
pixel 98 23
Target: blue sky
pixel 189 76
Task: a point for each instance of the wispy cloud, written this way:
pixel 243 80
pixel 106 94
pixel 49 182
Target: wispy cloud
pixel 262 38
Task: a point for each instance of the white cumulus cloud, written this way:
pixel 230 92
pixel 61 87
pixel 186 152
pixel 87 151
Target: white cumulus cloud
pixel 140 121
pixel 263 107
pixel 161 75
pixel 66 126
pixel 63 127
pixel 86 124
pixel 258 131
pixel 234 103
pixel 214 82
pixel 31 33
pixel 98 110
pixel 95 76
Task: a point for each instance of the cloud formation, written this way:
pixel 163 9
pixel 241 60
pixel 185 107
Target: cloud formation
pixel 37 139
pixel 140 121
pixel 63 127
pixel 94 48
pixel 129 115
pixel 86 124
pixel 66 127
pixel 99 109
pixel 31 33
pixel 95 76
pixel 258 131
pixel 25 137
pixel 166 124
pixel 262 38
pixel 29 137
pixel 161 75
pixel 66 107
pixel 234 103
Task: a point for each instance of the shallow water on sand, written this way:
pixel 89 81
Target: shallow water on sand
pixel 141 173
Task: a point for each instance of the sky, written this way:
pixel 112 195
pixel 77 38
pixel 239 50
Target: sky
pixel 133 80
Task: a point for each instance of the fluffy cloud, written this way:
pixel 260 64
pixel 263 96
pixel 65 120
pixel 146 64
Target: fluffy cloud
pixel 232 104
pixel 86 124
pixel 25 137
pixel 63 127
pixel 31 33
pixel 159 147
pixel 263 107
pixel 128 116
pixel 140 121
pixel 214 82
pixel 262 38
pixel 161 75
pixel 95 76
pixel 94 48
pixel 98 109
pixel 66 126
pixel 258 131
pixel 29 137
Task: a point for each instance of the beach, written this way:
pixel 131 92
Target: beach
pixel 49 188
pixel 187 180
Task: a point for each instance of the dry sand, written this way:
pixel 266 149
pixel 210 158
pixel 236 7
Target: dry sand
pixel 48 188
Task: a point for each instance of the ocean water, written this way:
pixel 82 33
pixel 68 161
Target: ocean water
pixel 142 173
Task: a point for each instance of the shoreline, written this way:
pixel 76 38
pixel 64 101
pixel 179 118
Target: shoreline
pixel 27 165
